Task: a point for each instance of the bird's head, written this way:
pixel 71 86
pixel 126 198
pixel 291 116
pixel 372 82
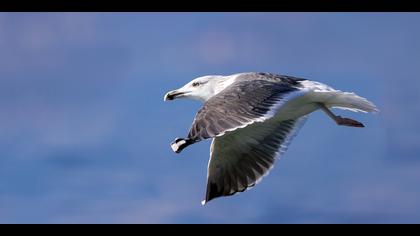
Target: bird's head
pixel 201 88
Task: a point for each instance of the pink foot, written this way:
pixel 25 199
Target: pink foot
pixel 348 122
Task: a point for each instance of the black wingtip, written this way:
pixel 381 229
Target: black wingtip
pixel 212 193
pixel 179 144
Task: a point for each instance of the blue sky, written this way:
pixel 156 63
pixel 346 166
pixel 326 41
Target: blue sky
pixel 85 133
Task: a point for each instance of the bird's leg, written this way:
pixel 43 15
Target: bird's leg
pixel 179 144
pixel 340 120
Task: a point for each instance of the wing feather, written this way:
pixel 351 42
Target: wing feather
pixel 238 106
pixel 240 159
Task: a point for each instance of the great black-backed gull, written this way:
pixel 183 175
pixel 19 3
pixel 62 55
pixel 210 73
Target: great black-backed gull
pixel 252 118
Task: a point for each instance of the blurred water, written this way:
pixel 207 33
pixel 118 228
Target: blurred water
pixel 84 131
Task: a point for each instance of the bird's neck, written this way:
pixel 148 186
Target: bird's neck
pixel 223 82
pixel 218 84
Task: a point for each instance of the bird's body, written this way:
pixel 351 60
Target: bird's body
pixel 252 117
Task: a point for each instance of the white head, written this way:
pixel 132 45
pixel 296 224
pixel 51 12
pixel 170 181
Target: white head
pixel 201 88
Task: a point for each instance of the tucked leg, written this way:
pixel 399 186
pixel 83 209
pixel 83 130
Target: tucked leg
pixel 340 120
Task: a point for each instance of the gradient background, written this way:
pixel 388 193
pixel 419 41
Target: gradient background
pixel 84 131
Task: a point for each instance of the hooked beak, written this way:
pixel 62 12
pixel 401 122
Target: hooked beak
pixel 171 95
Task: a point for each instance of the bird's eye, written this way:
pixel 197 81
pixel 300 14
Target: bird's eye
pixel 195 84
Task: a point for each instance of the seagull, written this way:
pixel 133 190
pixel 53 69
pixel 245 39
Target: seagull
pixel 252 118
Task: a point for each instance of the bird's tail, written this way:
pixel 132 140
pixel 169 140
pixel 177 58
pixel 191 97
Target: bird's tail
pixel 338 99
pixel 349 101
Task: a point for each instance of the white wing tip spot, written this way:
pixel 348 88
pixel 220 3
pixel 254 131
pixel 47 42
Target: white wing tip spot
pixel 175 145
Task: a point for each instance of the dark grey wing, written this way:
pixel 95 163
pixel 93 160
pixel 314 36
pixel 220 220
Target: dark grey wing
pixel 284 79
pixel 239 105
pixel 238 160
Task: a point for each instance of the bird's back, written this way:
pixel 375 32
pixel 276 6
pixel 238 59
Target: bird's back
pixel 284 79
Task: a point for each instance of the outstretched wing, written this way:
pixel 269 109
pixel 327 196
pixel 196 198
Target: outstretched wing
pixel 239 159
pixel 239 105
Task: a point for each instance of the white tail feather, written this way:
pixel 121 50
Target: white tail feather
pixel 350 101
pixel 338 99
